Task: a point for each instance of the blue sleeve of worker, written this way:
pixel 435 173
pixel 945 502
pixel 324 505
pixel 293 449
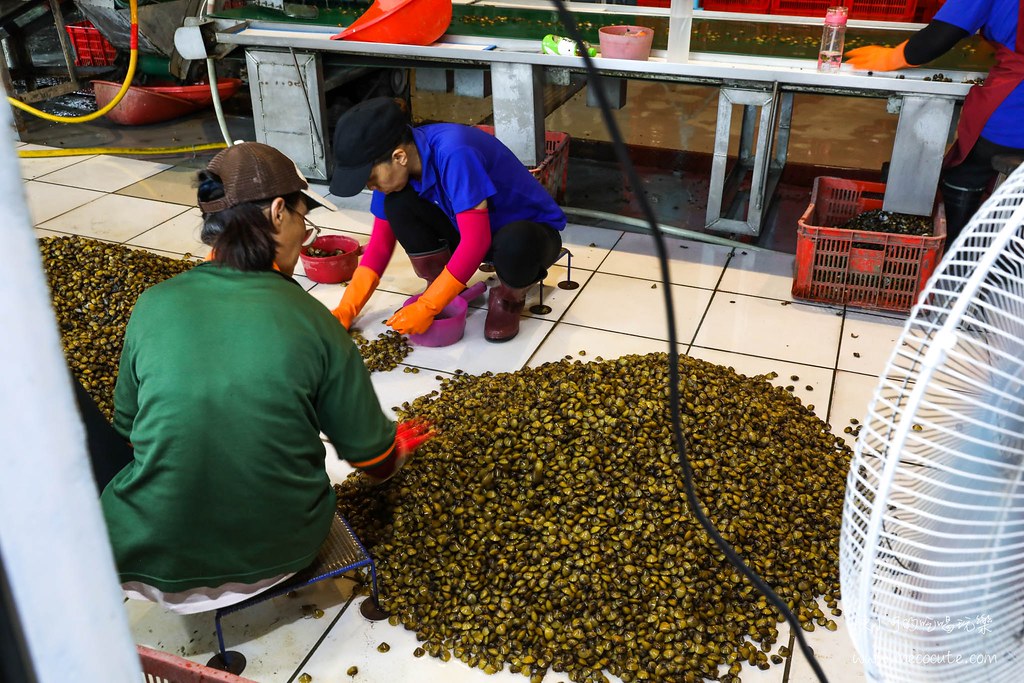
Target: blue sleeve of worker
pixel 969 15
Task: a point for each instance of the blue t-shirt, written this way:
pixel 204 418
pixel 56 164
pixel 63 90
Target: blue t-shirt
pixel 463 166
pixel 997 21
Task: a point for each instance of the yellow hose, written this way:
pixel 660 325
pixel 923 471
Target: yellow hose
pixel 132 63
pixel 82 151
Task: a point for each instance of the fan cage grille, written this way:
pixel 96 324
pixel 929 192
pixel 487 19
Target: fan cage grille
pixel 932 545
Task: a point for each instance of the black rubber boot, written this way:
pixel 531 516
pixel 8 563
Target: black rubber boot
pixel 429 265
pixel 960 205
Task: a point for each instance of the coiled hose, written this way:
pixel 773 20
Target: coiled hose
pixel 133 61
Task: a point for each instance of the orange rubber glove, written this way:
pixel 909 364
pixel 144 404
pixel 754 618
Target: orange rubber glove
pixel 358 292
pixel 417 317
pixel 409 436
pixel 878 58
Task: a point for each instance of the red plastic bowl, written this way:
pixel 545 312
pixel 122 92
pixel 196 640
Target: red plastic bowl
pixel 330 270
pixel 152 104
pixel 405 22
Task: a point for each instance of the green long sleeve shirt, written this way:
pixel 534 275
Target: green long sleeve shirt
pixel 225 382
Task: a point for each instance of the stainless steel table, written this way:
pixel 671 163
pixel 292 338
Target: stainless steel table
pixel 279 53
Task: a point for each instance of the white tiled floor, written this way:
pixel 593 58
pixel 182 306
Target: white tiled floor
pixel 733 307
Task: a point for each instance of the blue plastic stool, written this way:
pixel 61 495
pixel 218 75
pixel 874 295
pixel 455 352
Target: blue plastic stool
pixel 540 308
pixel 341 552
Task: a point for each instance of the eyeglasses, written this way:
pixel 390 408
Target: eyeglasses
pixel 312 231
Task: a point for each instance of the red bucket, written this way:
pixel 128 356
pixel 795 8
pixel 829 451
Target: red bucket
pixel 331 270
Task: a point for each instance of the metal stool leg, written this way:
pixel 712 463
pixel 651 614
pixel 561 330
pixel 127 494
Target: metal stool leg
pixel 226 660
pixel 567 283
pixel 370 607
pixel 539 308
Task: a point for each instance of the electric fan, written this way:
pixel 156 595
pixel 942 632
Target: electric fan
pixel 932 543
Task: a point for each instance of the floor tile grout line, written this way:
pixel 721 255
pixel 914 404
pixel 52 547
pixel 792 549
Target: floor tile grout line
pixel 74 208
pixel 711 299
pixel 323 636
pixel 835 369
pixel 624 334
pixel 42 226
pixel 73 163
pixel 116 191
pixel 122 193
pixel 771 358
pixel 575 298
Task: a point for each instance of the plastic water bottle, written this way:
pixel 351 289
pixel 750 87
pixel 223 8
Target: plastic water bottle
pixel 830 55
pixel 557 45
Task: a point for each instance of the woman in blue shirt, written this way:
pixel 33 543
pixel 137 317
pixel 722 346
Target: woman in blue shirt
pixel 992 120
pixel 453 196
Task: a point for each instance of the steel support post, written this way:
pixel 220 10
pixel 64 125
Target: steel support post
pixel 917 154
pixel 288 107
pixel 519 109
pixel 721 220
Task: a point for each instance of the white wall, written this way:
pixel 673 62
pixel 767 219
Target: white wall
pixel 52 537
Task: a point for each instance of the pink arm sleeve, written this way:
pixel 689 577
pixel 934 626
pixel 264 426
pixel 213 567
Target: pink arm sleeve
pixel 474 241
pixel 380 247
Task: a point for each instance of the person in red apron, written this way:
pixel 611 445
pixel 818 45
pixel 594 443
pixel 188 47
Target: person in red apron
pixel 992 120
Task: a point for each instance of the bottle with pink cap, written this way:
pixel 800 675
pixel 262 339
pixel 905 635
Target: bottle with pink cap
pixel 830 55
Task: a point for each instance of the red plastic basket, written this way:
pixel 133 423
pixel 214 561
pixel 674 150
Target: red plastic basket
pixel 879 10
pixel 91 48
pixel 858 268
pixel 553 172
pixel 751 6
pixel 926 9
pixel 161 667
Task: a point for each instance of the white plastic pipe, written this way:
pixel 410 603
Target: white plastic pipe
pixel 218 107
pixel 53 540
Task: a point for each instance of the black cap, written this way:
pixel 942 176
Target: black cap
pixel 364 133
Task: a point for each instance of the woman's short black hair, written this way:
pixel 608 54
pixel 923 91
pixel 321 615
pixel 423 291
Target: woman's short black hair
pixel 404 140
pixel 242 236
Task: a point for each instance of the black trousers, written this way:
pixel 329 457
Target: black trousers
pixel 521 251
pixel 976 172
pixel 108 452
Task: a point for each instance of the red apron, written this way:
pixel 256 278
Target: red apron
pixel 983 100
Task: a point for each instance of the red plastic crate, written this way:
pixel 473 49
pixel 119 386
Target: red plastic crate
pixel 878 10
pixel 926 9
pixel 858 268
pixel 91 48
pixel 749 6
pixel 161 667
pixel 553 172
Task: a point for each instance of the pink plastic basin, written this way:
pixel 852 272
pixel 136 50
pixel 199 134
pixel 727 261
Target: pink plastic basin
pixel 450 324
pixel 626 42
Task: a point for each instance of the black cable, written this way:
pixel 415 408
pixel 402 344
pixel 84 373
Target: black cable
pixel 594 81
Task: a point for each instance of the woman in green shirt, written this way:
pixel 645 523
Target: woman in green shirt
pixel 229 373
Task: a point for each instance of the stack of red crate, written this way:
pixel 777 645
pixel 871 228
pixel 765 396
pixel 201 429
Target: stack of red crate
pixel 873 10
